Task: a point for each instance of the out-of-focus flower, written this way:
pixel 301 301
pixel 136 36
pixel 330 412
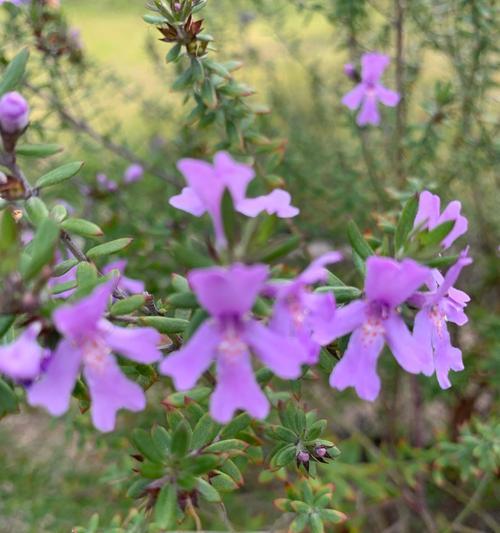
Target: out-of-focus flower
pixel 133 173
pixel 14 112
pixel 369 92
pixel 132 286
pixel 277 202
pixel 443 304
pixel 22 359
pixel 89 342
pixel 105 183
pixel 206 186
pixel 429 216
pixel 299 312
pixel 15 2
pixel 374 321
pixel 228 294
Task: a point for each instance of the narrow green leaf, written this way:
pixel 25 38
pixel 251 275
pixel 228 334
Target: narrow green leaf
pixel 38 150
pixel 58 175
pixel 223 483
pixel 316 523
pixel 82 227
pixel 342 294
pixel 127 305
pixel 358 242
pixel 42 248
pixel 208 493
pixel 226 446
pixel 6 322
pixel 237 424
pixel 165 325
pixel 14 73
pixel 161 440
pixel 64 267
pixel 108 248
pixel 36 210
pixel 166 507
pixel 183 300
pixel 143 441
pixel 8 231
pixel 181 439
pixel 173 53
pixel 405 223
pixel 204 431
pixel 8 400
pixel 280 250
pixel 437 235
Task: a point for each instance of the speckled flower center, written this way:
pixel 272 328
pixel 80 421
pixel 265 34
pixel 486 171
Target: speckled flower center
pixel 95 354
pixel 438 318
pixel 232 346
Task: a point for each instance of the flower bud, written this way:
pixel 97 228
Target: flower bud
pixel 14 113
pixel 302 459
pixel 133 173
pixel 351 72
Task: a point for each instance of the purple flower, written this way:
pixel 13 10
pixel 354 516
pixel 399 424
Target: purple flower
pixel 105 183
pixel 132 286
pixel 277 202
pixel 133 173
pixel 370 91
pixel 14 112
pixel 22 359
pixel 228 294
pixel 15 2
pixel 298 312
pixel 89 342
pixel 443 304
pixel 375 321
pixel 429 217
pixel 350 71
pixel 206 186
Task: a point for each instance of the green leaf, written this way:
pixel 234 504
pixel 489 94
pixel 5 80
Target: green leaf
pixel 82 227
pixel 228 217
pixel 282 433
pixel 64 267
pixel 442 262
pixel 108 248
pixel 165 325
pixel 437 235
pixel 223 483
pixel 180 283
pixel 59 213
pixel 237 424
pixel 63 287
pixel 230 468
pixel 343 294
pixel 183 300
pixel 280 250
pixel 8 231
pixel 161 439
pixel 6 322
pixel 178 399
pixel 316 523
pixel 14 73
pixel 38 150
pixel 332 516
pixel 207 492
pixel 405 223
pixel 173 53
pixel 138 487
pixel 226 446
pixel 208 94
pixel 166 507
pixel 183 81
pixel 143 441
pixel 286 455
pixel 37 210
pixel 188 257
pixel 127 305
pixel 358 242
pixel 42 248
pixel 315 430
pixel 58 175
pixel 299 523
pixel 204 431
pixel 195 466
pixel 181 439
pixel 8 400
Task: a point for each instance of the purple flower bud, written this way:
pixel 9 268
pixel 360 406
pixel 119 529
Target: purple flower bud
pixel 133 173
pixel 303 456
pixel 14 112
pixel 177 6
pixel 350 71
pixel 320 451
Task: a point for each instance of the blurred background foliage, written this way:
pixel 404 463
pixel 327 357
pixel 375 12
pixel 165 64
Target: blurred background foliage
pixel 418 451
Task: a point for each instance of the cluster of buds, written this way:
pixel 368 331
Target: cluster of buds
pixel 51 33
pixel 179 25
pixel 320 453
